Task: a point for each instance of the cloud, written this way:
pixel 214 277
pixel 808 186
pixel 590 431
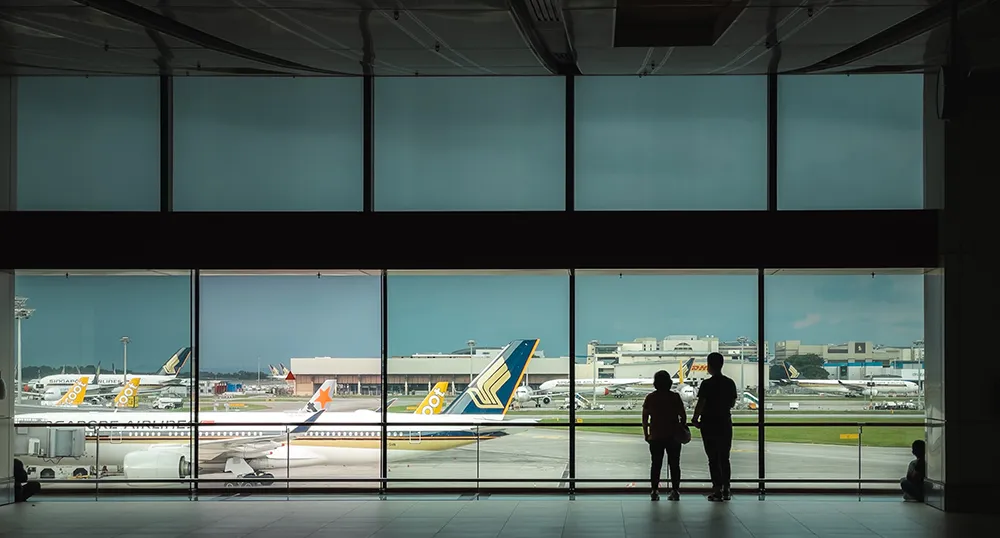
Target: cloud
pixel 808 321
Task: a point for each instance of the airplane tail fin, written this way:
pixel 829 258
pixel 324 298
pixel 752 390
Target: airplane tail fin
pixel 129 395
pixel 751 400
pixel 274 371
pixel 684 370
pixel 792 372
pixel 74 396
pixel 284 370
pixel 175 363
pixel 493 390
pixel 432 403
pixel 389 403
pixel 322 397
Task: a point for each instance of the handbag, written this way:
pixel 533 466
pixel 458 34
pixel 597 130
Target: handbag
pixel 684 436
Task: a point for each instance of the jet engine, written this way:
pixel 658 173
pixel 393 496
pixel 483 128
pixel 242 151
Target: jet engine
pixel 151 464
pixel 870 391
pixel 546 400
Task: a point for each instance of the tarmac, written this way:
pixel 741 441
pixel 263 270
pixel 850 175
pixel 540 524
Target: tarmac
pixel 538 457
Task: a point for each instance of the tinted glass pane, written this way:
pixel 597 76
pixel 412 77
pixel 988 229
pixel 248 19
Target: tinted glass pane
pixel 850 142
pixel 88 144
pixel 632 324
pixel 507 332
pixel 262 144
pixel 848 350
pixel 113 345
pixel 470 143
pixel 671 143
pixel 289 345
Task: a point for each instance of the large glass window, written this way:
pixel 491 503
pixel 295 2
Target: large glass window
pixel 631 324
pixel 119 346
pixel 850 142
pixel 508 333
pixel 671 143
pixel 275 350
pixel 268 144
pixel 88 144
pixel 470 143
pixel 848 349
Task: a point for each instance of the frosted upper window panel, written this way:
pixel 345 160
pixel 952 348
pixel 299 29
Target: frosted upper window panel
pixel 470 143
pixel 850 142
pixel 88 144
pixel 671 143
pixel 268 144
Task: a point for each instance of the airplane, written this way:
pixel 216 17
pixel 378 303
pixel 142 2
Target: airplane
pixel 279 373
pixel 687 391
pixel 608 386
pixel 76 396
pixel 849 388
pixel 157 445
pixel 168 374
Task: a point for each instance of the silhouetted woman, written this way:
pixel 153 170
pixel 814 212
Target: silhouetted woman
pixel 664 425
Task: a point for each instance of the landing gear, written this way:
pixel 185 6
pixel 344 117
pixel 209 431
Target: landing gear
pixel 242 470
pixel 263 480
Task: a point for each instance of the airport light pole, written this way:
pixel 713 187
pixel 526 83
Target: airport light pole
pixel 21 312
pixel 918 344
pixel 743 342
pixel 125 341
pixel 593 384
pixel 472 350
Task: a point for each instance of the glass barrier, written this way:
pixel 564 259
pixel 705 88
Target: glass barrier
pixel 262 458
pixel 845 455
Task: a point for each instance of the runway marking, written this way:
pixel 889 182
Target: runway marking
pixel 565 476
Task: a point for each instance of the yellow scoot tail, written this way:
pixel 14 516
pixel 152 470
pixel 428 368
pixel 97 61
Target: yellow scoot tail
pixel 129 395
pixel 434 401
pixel 74 396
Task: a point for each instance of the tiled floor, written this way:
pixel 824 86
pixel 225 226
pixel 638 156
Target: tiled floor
pixel 497 516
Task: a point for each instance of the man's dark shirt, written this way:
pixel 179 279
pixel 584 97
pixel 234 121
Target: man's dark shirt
pixel 719 394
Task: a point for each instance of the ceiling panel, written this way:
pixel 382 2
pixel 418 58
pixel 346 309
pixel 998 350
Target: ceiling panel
pixel 434 37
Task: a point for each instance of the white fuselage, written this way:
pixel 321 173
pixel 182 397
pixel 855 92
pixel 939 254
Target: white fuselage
pixel 562 385
pixel 880 386
pixel 334 439
pixel 110 380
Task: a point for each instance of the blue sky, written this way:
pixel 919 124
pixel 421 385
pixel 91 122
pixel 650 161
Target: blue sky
pixel 80 320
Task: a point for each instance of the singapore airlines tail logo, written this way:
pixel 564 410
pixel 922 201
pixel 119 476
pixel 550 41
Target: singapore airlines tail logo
pixel 484 393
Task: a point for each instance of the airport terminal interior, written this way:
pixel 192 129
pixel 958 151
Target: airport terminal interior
pixel 410 268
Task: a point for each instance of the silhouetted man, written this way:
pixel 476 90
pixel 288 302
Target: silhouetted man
pixel 713 416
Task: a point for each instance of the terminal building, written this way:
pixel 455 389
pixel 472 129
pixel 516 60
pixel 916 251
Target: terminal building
pixel 416 373
pixel 858 360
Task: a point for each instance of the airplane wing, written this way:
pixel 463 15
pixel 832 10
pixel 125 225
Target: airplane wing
pixel 246 447
pixel 855 388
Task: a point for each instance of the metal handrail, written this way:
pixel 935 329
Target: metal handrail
pixel 583 424
pixel 454 479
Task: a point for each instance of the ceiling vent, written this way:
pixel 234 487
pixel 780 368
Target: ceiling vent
pixel 673 23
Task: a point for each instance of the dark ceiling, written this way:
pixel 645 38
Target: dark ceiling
pixel 471 37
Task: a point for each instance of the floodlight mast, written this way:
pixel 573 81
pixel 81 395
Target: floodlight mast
pixel 125 342
pixel 21 312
